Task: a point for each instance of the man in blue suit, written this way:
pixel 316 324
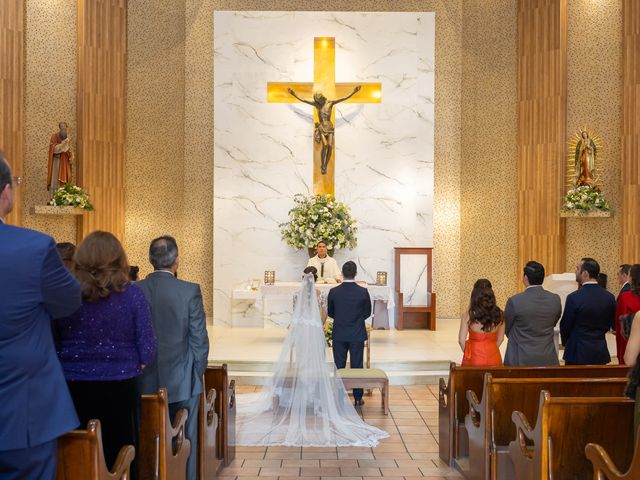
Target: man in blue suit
pixel 349 305
pixel 588 314
pixel 35 405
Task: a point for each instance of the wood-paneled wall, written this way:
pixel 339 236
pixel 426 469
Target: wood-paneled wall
pixel 542 112
pixel 12 93
pixel 102 73
pixel 630 161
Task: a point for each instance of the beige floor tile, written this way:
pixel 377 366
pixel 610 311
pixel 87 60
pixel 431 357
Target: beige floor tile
pixel 249 455
pixel 360 472
pixel 342 478
pixel 386 462
pixel 239 471
pixel 410 421
pixel 405 414
pixel 279 472
pixel 390 447
pixel 352 463
pixel 394 455
pixel 404 471
pixel 284 449
pixel 320 455
pixel 320 471
pixel 355 455
pixel 282 455
pixel 413 429
pixel 307 462
pixel 254 462
pixel 240 449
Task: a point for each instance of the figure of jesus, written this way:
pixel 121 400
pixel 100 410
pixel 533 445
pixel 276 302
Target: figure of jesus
pixel 324 129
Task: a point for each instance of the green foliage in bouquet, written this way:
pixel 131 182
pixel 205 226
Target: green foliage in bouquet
pixel 70 195
pixel 317 218
pixel 328 331
pixel 584 199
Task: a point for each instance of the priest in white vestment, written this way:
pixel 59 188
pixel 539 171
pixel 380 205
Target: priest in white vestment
pixel 327 267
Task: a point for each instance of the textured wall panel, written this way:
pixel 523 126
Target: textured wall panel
pixel 489 147
pixel 542 101
pixel 594 93
pixel 50 98
pixel 12 94
pixel 630 162
pixel 155 130
pixel 102 74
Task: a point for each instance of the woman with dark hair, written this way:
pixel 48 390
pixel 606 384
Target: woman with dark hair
pixel 627 305
pixel 631 357
pixel 66 251
pixel 105 344
pixel 481 328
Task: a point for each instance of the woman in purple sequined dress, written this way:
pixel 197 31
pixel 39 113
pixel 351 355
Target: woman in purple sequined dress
pixel 107 342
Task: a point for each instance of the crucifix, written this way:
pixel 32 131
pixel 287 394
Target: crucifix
pixel 323 94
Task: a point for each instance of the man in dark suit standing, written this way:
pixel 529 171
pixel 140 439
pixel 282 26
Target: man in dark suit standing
pixel 349 305
pixel 183 345
pixel 623 278
pixel 35 405
pixel 530 318
pixel 588 314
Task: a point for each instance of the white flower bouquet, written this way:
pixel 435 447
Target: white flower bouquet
pixel 70 195
pixel 318 218
pixel 584 199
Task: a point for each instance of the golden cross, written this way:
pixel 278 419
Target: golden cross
pixel 324 80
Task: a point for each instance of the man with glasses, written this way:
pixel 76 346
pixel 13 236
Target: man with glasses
pixel 35 405
pixel 588 314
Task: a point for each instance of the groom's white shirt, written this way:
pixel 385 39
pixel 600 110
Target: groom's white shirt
pixel 331 272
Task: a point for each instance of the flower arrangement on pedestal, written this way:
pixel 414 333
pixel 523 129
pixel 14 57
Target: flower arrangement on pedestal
pixel 584 199
pixel 70 195
pixel 316 218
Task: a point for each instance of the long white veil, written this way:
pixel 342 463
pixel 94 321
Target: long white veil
pixel 305 403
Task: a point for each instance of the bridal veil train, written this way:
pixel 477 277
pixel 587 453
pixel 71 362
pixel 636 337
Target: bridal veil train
pixel 305 403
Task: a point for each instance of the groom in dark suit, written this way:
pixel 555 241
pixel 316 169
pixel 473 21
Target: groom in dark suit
pixel 349 305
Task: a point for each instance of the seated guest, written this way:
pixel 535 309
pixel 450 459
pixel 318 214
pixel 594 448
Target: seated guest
pixel 326 265
pixel 106 343
pixel 133 273
pixel 484 326
pixel 66 251
pixel 313 271
pixel 627 305
pixel 588 314
pixel 530 318
pixel 34 288
pixel 183 345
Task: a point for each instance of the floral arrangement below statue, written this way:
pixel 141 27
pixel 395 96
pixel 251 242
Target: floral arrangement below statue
pixel 584 199
pixel 318 218
pixel 70 195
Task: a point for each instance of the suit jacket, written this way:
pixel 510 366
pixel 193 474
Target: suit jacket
pixel 35 405
pixel 530 318
pixel 349 305
pixel 179 320
pixel 588 314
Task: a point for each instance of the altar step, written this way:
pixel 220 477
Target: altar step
pixel 399 373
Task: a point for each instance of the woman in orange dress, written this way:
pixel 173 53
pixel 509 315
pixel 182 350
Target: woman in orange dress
pixel 482 328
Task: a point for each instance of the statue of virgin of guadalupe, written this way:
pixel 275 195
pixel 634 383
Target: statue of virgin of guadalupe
pixel 585 161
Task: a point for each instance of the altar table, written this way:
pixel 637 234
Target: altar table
pixel 382 297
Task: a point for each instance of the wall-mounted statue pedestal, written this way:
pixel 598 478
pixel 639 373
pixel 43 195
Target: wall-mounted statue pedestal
pixel 55 210
pixel 593 214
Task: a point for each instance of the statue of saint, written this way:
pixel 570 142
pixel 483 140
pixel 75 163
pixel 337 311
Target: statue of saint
pixel 585 161
pixel 324 130
pixel 60 156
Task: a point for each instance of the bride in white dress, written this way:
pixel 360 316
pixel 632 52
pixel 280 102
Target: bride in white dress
pixel 305 403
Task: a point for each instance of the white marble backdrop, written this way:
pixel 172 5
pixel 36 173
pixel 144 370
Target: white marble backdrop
pixel 264 151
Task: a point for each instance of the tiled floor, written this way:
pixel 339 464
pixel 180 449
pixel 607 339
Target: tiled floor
pixel 410 452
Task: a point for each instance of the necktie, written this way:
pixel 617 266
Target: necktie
pixel 322 270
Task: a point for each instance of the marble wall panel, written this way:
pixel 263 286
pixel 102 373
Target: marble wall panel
pixel 263 152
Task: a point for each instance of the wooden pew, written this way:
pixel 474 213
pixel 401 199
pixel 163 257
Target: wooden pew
pixel 80 455
pixel 208 462
pixel 217 377
pixel 489 424
pixel 604 468
pixel 164 448
pixel 453 440
pixel 563 428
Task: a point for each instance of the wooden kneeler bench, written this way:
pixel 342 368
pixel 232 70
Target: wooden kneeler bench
pixel 367 378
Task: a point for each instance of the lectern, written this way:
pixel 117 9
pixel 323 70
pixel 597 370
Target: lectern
pixel 414 288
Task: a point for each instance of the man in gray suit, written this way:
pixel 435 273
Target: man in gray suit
pixel 530 318
pixel 183 346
